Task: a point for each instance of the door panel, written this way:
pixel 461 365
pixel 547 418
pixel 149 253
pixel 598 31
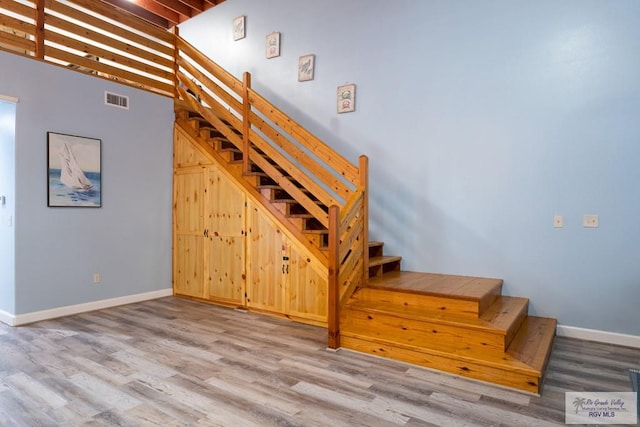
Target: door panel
pixel 265 282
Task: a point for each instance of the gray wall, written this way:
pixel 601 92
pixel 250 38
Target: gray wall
pixel 128 240
pixel 7 189
pixel 482 120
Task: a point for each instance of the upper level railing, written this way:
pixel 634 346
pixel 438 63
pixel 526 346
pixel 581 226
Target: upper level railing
pixel 92 37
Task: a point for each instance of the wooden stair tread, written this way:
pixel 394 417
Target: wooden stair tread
pixel 532 344
pixel 497 319
pixel 379 260
pixel 452 286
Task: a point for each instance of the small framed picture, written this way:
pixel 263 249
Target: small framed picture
pixel 306 66
pixel 347 98
pixel 273 45
pixel 74 171
pixel 239 28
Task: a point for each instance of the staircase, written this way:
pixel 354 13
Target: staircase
pixel 457 324
pixel 462 325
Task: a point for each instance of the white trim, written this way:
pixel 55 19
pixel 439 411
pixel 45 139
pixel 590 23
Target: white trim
pixel 598 336
pixel 7 318
pixel 36 316
pixel 8 98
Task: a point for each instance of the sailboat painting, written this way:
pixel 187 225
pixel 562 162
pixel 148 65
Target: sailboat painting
pixel 74 171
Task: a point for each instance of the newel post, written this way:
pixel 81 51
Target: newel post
pixel 333 303
pixel 246 120
pixel 176 67
pixel 39 35
pixel 364 183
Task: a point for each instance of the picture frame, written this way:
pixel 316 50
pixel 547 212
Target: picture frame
pixel 346 98
pixel 239 28
pixel 306 67
pixel 74 171
pixel 272 45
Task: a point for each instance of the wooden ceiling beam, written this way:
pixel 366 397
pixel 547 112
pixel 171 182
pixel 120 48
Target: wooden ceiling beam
pixel 197 5
pixel 182 10
pixel 140 12
pixel 160 10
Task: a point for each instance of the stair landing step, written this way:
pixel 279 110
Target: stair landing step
pixel 422 327
pixel 521 367
pixel 499 317
pixel 463 287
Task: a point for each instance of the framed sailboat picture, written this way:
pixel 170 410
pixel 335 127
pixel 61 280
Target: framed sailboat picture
pixel 74 171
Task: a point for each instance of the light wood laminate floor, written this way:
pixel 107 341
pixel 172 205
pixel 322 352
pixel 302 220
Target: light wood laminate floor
pixel 175 362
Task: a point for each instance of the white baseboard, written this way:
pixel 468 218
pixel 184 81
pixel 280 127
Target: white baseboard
pixel 598 336
pixel 36 316
pixel 6 318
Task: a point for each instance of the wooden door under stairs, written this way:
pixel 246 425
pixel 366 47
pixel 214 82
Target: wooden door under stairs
pixel 461 325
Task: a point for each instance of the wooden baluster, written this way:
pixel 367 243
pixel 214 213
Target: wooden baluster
pixel 176 68
pixel 363 165
pixel 39 34
pixel 246 123
pixel 333 315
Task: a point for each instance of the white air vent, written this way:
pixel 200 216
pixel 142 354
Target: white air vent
pixel 116 100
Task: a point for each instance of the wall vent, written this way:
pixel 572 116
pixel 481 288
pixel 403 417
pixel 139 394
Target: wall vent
pixel 116 100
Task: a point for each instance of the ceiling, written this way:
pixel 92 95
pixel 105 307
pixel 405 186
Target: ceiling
pixel 164 13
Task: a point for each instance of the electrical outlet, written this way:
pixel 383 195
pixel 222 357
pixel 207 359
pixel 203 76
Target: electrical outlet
pixel 96 277
pixel 590 221
pixel 558 221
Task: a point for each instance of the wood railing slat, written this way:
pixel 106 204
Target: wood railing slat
pixel 214 69
pixel 208 113
pixel 13 43
pixel 18 8
pixel 312 143
pixel 110 72
pixel 17 24
pixel 119 31
pixel 108 55
pixel 126 19
pixel 351 239
pixel 211 85
pixel 301 157
pixel 349 278
pixel 94 36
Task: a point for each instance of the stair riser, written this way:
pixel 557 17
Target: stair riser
pixel 379 270
pixel 436 304
pixel 422 333
pixel 528 381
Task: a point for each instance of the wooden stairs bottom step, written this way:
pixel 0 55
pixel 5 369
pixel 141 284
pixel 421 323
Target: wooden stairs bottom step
pixel 520 367
pixel 457 324
pixel 492 332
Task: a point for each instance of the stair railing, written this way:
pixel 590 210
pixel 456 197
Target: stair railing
pixel 310 171
pixel 133 52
